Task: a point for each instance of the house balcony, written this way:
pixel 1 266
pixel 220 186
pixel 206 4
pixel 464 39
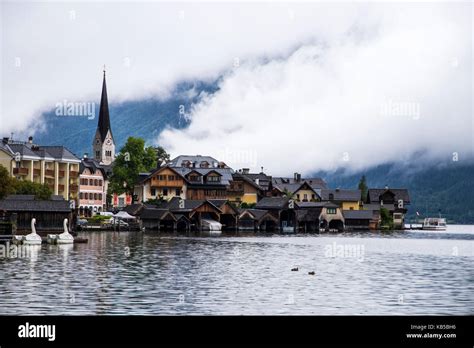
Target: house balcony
pixel 20 171
pixel 61 173
pixel 61 188
pixel 73 174
pixel 49 173
pixel 36 172
pixel 50 185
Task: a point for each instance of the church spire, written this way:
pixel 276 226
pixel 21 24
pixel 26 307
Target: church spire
pixel 104 118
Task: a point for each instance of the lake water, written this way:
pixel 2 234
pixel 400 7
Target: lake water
pixel 411 272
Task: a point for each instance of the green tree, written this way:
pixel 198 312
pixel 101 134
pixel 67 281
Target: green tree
pixel 6 183
pixel 387 219
pixel 41 191
pixel 134 158
pixel 363 188
pixel 161 155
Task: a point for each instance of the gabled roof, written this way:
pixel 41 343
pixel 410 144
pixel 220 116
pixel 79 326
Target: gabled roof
pixel 315 183
pixel 341 195
pixel 134 209
pixel 272 203
pixel 264 180
pixel 374 194
pixel 358 214
pixel 92 165
pixel 158 214
pixel 189 204
pixel 158 170
pixel 248 180
pixel 257 214
pixel 307 205
pixel 17 203
pixel 220 203
pixel 40 152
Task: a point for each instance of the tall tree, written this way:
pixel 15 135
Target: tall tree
pixel 363 189
pixel 161 155
pixel 134 158
pixel 6 183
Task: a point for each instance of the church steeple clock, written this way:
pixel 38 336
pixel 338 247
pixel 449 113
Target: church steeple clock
pixel 103 145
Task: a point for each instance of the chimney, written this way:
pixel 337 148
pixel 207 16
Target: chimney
pixel 30 140
pixel 261 169
pixel 245 170
pixel 85 155
pixel 297 177
pixel 386 186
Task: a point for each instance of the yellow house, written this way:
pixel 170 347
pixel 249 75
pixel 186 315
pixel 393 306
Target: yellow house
pixel 346 199
pixel 54 166
pixel 243 190
pixel 163 182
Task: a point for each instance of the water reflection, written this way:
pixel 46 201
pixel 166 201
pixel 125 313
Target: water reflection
pixel 136 273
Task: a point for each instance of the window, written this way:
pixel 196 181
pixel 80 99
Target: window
pixel 97 154
pixel 298 196
pixel 165 192
pixel 331 210
pixel 161 177
pixel 331 196
pixel 121 201
pixel 313 196
pixel 95 196
pixel 351 208
pixel 86 195
pixel 100 196
pixel 177 192
pixel 96 182
pixel 305 196
pixel 171 178
pixel 204 164
pixel 91 182
pixel 194 178
pixel 153 192
pixel 81 195
pixel 213 178
pixel 100 182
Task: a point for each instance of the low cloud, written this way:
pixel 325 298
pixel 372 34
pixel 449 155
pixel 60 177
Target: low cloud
pixel 397 84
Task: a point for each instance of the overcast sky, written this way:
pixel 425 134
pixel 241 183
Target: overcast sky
pixel 313 84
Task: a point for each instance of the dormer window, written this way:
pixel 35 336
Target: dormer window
pixel 213 178
pixel 331 196
pixel 194 178
pixel 186 164
pixel 204 164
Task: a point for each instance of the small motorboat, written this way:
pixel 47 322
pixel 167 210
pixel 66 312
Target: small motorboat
pixel 434 224
pixel 33 238
pixel 63 238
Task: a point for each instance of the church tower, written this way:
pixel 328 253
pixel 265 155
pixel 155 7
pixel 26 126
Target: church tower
pixel 103 145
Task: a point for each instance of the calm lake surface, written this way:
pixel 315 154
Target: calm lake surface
pixel 411 272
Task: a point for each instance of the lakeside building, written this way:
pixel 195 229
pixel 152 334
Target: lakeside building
pixel 394 200
pixel 93 187
pixel 345 199
pixel 49 214
pixel 55 166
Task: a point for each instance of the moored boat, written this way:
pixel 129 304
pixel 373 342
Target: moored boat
pixel 434 224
